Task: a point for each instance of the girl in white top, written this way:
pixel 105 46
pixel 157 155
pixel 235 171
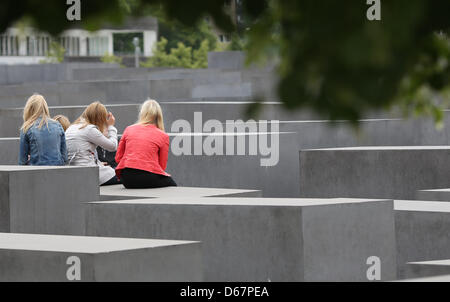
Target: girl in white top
pixel 95 127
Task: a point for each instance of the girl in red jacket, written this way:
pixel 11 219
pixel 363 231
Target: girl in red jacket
pixel 143 151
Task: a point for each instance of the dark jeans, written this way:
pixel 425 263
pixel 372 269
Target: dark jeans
pixel 139 179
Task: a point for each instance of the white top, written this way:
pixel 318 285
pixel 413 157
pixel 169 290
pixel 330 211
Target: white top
pixel 82 145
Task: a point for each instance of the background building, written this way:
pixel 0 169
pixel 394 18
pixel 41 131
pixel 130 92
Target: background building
pixel 28 46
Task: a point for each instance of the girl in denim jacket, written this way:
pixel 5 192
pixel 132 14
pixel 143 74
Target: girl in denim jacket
pixel 42 140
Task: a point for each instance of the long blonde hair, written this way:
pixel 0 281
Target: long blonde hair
pixel 151 113
pixel 95 114
pixel 35 108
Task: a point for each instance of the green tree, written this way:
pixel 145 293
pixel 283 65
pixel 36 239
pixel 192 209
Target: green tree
pixel 159 57
pixel 190 36
pixel 181 56
pixel 237 42
pixel 200 56
pixel 55 53
pixel 109 58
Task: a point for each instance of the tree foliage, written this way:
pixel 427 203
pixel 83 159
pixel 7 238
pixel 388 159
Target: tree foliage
pixel 331 58
pixel 109 58
pixel 55 53
pixel 180 56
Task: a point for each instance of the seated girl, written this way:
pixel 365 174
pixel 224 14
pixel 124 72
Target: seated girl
pixel 95 127
pixel 143 151
pixel 42 140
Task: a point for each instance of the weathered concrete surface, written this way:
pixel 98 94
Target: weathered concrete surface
pixel 369 172
pixel 171 192
pixel 117 91
pixel 232 171
pixel 434 195
pixel 422 231
pixel 226 59
pixel 256 239
pixel 9 151
pixel 46 200
pixel 427 269
pixel 16 74
pixel 445 278
pixel 199 76
pixel 25 257
pixel 263 82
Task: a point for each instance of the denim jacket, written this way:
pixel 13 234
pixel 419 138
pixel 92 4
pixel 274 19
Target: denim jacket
pixel 43 147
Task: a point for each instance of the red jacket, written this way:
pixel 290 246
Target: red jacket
pixel 143 147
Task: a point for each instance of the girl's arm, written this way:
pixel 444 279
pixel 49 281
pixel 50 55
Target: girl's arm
pixel 24 149
pixel 63 146
pixel 97 138
pixel 121 148
pixel 164 153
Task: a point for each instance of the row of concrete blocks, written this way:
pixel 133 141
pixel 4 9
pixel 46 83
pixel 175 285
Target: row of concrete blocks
pixel 126 114
pixel 38 73
pixel 242 238
pixel 420 173
pixel 293 134
pixel 198 86
pixel 225 110
pixel 394 172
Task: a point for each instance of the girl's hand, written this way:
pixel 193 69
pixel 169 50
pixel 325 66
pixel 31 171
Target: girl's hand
pixel 110 120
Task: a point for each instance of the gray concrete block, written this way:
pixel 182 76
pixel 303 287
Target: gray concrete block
pixel 9 151
pixel 88 74
pixel 277 179
pixel 222 90
pixel 423 269
pixel 368 172
pixel 434 195
pixel 41 73
pixel 46 200
pixel 445 278
pixel 170 89
pixel 171 192
pixel 3 75
pixel 73 93
pixel 254 239
pixel 199 76
pixel 421 231
pixel 12 96
pixel 26 257
pixel 226 59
